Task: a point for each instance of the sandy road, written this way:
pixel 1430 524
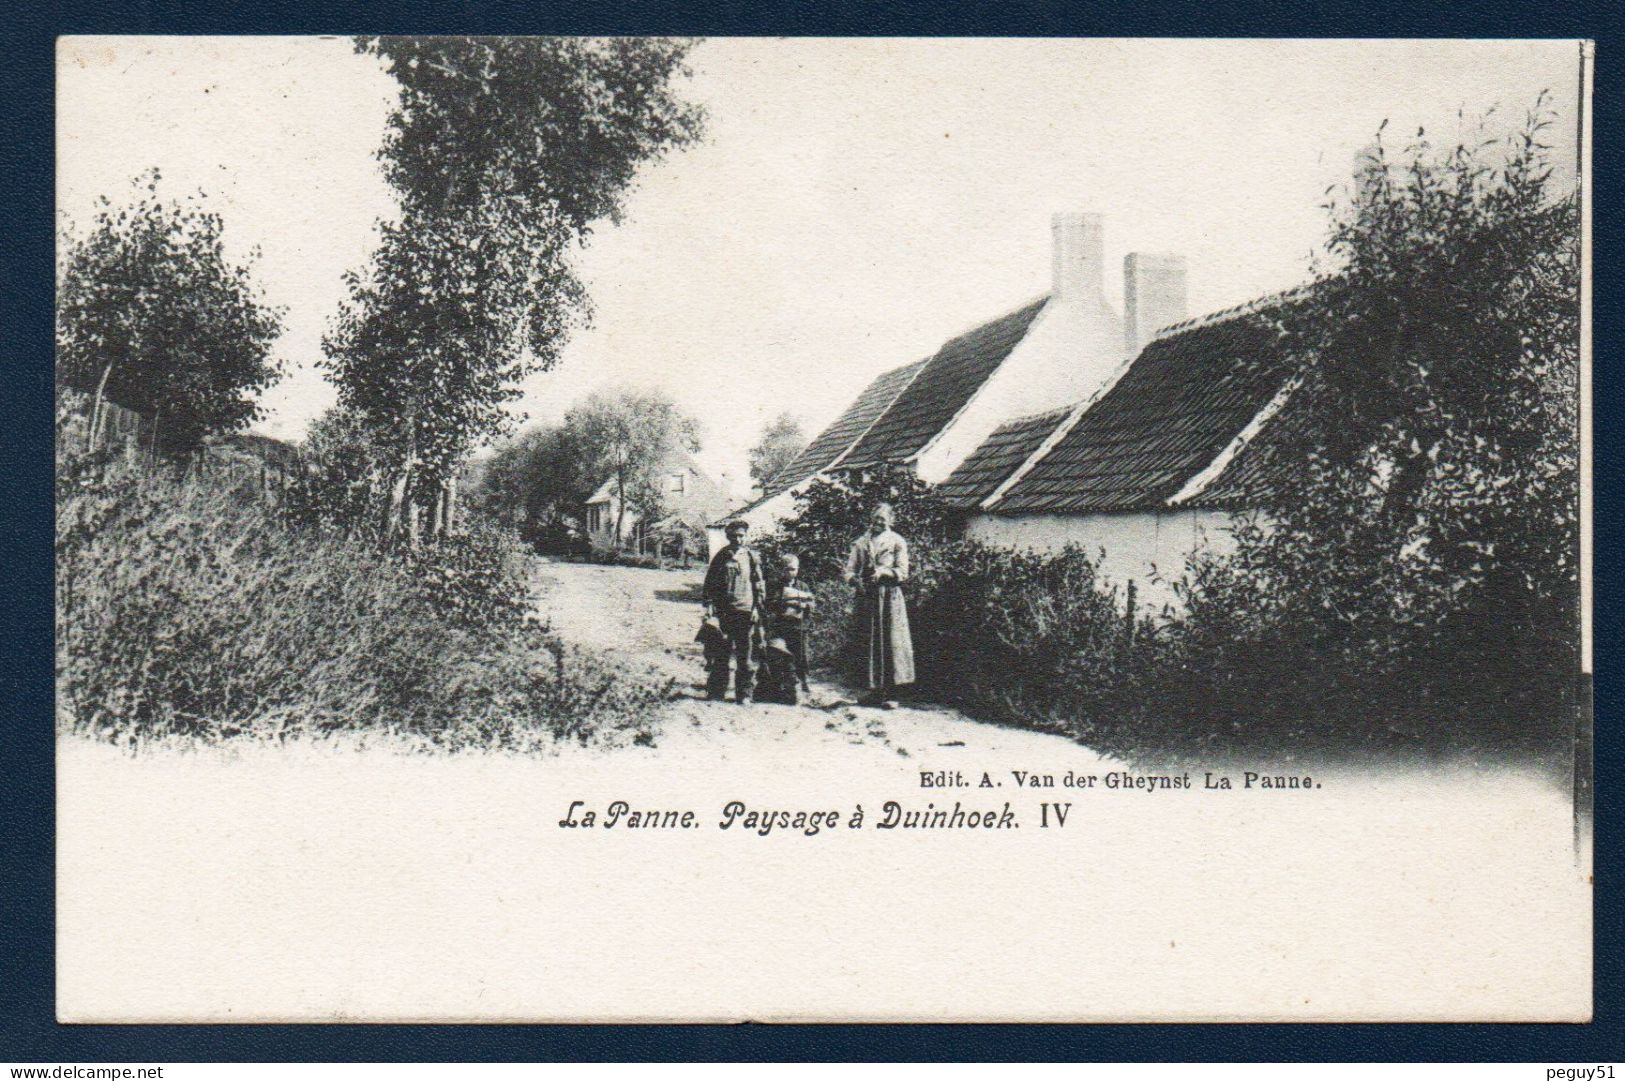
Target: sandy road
pixel 649 617
pixel 317 882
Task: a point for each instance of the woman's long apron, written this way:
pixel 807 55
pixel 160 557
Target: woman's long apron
pixel 891 647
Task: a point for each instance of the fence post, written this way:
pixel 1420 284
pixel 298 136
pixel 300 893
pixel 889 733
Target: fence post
pixel 1128 616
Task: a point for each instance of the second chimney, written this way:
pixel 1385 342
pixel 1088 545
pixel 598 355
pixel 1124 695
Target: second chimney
pixel 1153 295
pixel 1079 256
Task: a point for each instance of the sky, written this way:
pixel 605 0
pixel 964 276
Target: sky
pixel 855 202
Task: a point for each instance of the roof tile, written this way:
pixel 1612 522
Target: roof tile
pixel 943 386
pixel 999 456
pixel 1182 401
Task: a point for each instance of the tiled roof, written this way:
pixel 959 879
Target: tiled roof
pixel 999 456
pixel 942 387
pixel 839 437
pixel 1256 471
pixel 1178 406
pixel 848 428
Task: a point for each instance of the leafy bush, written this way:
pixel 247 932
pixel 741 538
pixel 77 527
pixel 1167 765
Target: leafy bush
pixel 186 607
pixel 831 515
pixel 1022 634
pixel 477 578
pixel 1242 663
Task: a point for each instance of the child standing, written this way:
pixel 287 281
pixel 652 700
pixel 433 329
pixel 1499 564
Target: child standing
pixel 790 604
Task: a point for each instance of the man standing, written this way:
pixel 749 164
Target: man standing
pixel 878 566
pixel 734 593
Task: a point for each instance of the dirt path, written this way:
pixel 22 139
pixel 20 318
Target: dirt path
pixel 649 617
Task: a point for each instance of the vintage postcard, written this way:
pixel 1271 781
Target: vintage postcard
pixel 642 529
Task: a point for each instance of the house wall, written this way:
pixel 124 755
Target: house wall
pixel 1136 545
pixel 602 539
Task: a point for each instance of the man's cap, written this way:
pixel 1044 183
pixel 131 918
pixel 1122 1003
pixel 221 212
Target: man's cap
pixel 737 525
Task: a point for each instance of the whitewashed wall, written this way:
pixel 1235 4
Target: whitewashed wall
pixel 602 539
pixel 1072 348
pixel 1134 543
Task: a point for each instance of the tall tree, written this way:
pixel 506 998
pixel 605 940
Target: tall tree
pixel 152 315
pixel 504 153
pixel 1432 505
pixel 781 442
pixel 631 438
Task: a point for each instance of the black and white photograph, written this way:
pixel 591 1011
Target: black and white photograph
pixel 822 529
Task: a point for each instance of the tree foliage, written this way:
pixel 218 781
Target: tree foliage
pixel 630 437
pixel 1437 420
pixel 831 514
pixel 504 152
pixel 782 440
pixel 153 315
pixel 535 484
pixel 1413 569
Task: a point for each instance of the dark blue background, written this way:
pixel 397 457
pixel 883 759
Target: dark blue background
pixel 26 741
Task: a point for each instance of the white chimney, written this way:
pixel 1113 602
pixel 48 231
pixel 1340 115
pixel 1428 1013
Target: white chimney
pixel 1079 256
pixel 1153 295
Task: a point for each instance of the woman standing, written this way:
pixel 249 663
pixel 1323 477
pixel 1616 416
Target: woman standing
pixel 878 566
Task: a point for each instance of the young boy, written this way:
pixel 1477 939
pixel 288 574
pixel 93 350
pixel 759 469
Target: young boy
pixel 790 604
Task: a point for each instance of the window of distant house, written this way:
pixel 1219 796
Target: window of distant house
pixel 595 519
pixel 675 484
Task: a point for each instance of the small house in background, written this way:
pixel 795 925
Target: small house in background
pixel 690 500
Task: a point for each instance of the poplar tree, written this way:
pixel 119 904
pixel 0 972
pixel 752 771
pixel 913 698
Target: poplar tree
pixel 505 154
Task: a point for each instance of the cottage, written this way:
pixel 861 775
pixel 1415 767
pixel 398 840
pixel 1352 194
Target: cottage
pixel 1150 468
pixel 1052 352
pixel 690 500
pixel 1060 423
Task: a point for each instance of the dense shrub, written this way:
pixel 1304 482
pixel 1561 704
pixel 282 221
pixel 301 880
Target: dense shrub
pixel 1028 636
pixel 186 607
pixel 1039 640
pixel 1246 661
